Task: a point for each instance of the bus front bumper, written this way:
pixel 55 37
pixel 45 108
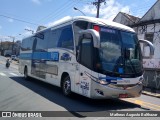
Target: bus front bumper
pixel 108 91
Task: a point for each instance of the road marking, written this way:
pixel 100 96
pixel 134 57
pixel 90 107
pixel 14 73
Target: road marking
pixel 13 74
pixel 143 103
pixel 153 108
pixel 138 102
pixel 2 74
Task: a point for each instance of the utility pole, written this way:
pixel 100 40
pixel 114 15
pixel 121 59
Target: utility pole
pixel 98 4
pixel 1 47
pixel 1 44
pixel 12 43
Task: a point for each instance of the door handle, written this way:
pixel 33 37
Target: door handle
pixel 81 74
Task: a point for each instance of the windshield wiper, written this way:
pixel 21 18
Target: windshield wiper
pixel 111 73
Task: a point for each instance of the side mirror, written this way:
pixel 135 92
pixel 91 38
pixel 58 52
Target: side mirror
pixel 91 33
pixel 147 48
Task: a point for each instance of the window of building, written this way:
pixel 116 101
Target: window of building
pixel 149 36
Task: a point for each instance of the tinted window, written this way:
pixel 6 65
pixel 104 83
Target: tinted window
pixel 53 38
pixel 110 51
pixel 66 37
pixel 79 25
pixel 131 52
pixel 42 41
pixel 149 36
pixel 27 44
pixel 86 53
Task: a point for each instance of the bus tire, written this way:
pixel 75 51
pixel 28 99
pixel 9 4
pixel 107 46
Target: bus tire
pixel 66 86
pixel 26 73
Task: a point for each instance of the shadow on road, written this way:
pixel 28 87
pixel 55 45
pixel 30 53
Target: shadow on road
pixel 76 102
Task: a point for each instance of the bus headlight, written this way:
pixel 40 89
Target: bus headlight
pixel 100 81
pixel 103 82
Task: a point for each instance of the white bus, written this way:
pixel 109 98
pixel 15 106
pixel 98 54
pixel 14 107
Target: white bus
pixel 89 56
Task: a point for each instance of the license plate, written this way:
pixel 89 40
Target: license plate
pixel 123 95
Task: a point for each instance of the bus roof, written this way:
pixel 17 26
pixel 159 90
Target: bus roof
pixel 104 22
pixel 89 19
pixel 94 20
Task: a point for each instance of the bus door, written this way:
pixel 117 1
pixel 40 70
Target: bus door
pixel 34 64
pixel 39 57
pixel 85 58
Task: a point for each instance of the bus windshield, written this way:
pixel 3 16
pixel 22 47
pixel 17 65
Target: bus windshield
pixel 120 53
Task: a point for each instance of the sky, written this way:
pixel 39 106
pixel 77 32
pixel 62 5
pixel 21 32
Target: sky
pixel 18 15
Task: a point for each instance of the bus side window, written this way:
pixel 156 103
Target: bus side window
pixel 41 44
pixel 78 26
pixel 27 44
pixel 53 38
pixel 66 38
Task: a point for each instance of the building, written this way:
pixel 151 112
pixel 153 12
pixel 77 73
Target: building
pixel 7 46
pixel 126 19
pixel 147 27
pixel 17 46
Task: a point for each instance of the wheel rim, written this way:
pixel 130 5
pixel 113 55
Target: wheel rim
pixel 67 86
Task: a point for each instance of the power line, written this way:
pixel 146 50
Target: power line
pixel 15 16
pixel 55 11
pixel 66 5
pixel 82 2
pixel 61 11
pixel 19 20
pixel 69 6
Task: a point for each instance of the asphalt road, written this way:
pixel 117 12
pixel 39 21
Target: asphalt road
pixel 17 94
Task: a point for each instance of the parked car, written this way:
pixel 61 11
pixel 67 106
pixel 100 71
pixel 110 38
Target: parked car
pixel 13 57
pixel 7 55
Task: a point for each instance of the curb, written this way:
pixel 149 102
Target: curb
pixel 151 94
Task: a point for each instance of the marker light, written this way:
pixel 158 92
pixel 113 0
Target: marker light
pixel 96 27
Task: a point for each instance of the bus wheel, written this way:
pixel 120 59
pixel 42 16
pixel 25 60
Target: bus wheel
pixel 66 86
pixel 25 73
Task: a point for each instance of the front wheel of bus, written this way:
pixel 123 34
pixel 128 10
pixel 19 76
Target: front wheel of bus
pixel 66 86
pixel 25 73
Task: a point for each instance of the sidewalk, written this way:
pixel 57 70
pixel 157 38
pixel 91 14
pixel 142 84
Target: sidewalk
pixel 150 92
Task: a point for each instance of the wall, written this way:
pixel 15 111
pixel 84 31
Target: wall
pixel 152 79
pixel 151 66
pixel 120 18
